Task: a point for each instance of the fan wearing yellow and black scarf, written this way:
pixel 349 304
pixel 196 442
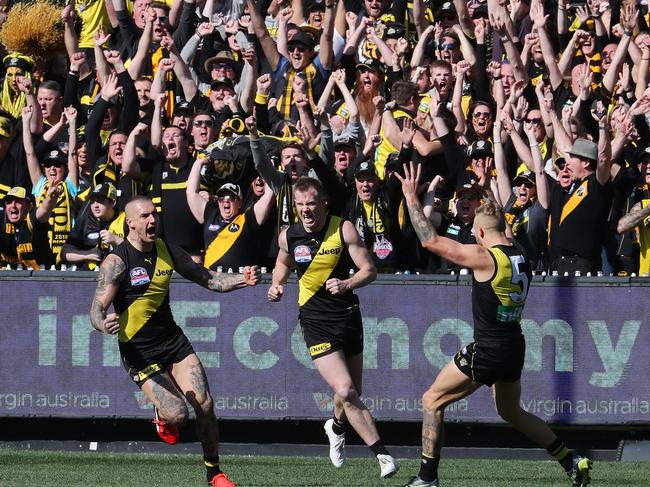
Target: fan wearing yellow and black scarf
pixel 57 170
pixel 301 62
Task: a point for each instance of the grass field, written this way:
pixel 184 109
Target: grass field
pixel 107 470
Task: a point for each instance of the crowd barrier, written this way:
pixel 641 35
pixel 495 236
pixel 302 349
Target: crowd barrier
pixel 587 355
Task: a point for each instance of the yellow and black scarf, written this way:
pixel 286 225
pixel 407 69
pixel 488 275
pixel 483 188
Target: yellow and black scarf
pixel 285 102
pixel 61 219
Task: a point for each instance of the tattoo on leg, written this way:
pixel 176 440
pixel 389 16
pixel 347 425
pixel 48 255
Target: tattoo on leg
pixel 165 394
pixel 431 433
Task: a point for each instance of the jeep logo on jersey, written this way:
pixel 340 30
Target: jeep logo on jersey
pixel 333 251
pixel 233 227
pixel 139 276
pixel 302 254
pixel 164 272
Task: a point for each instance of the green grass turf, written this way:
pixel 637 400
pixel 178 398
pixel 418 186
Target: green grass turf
pixel 106 470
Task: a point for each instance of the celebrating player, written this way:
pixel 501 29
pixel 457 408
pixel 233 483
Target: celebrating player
pixel 496 357
pixel 135 278
pixel 324 248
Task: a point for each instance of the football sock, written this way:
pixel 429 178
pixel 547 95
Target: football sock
pixel 338 427
pixel 429 468
pixel 378 448
pixel 212 466
pixel 562 454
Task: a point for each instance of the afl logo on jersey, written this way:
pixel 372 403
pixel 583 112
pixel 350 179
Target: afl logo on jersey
pixel 139 276
pixel 234 227
pixel 302 254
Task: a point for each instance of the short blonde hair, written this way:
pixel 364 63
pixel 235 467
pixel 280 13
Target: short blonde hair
pixel 493 216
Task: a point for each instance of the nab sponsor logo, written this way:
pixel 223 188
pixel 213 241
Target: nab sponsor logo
pixel 93 235
pixel 164 272
pixel 139 276
pixel 333 251
pixel 213 227
pixel 302 254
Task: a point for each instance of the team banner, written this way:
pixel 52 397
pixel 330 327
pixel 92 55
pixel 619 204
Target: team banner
pixel 587 355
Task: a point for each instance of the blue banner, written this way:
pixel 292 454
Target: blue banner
pixel 587 352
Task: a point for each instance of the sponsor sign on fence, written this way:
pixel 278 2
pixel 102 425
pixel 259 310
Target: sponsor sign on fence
pixel 587 355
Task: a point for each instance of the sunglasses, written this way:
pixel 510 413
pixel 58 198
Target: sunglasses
pixel 477 115
pixel 221 67
pixel 227 198
pixel 296 47
pixel 203 123
pixel 451 46
pixel 527 184
pixel 53 163
pixel 536 121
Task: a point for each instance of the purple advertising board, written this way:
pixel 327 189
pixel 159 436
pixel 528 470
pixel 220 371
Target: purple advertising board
pixel 587 356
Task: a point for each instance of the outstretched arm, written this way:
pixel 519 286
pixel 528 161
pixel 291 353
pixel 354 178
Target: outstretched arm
pixel 214 281
pixel 108 282
pixel 633 219
pixel 473 257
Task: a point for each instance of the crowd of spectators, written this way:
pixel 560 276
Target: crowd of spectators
pixel 214 108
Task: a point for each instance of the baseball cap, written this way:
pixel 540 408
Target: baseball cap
pixel 224 57
pixel 480 148
pixel 316 6
pixel 183 108
pixel 221 82
pixel 17 192
pixel 372 65
pixel 447 7
pixel 523 177
pixel 302 37
pixel 480 12
pixel 229 189
pixel 340 108
pixel 584 148
pixel 468 188
pixel 104 190
pixel 56 156
pixel 343 142
pixel 365 167
pixel 393 30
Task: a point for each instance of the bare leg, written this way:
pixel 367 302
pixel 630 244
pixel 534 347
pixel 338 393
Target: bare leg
pixel 355 367
pixel 450 386
pixel 191 380
pixel 506 400
pixel 161 390
pixel 334 369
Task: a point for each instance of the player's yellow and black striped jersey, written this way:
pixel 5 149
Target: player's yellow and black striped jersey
pixel 320 256
pixel 142 301
pixel 497 304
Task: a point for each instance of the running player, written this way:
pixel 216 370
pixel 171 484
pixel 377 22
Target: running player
pixel 135 278
pixel 496 357
pixel 324 248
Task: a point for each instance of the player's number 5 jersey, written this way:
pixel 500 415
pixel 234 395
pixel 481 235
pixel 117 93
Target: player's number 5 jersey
pixel 498 303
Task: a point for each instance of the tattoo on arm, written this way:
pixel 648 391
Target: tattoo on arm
pixel 214 281
pixel 634 217
pixel 421 223
pixel 223 283
pixel 110 274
